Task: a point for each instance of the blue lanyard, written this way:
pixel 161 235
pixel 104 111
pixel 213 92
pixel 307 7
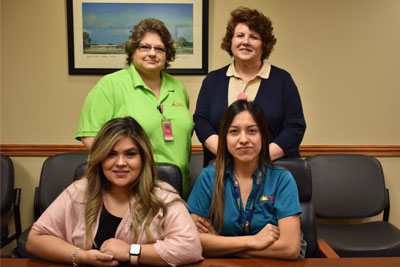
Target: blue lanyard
pixel 249 214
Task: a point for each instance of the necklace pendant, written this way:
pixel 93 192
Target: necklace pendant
pixel 242 96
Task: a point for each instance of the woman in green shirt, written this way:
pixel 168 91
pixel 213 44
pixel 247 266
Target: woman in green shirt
pixel 145 92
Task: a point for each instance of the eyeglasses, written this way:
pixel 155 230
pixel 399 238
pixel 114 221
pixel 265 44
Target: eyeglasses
pixel 147 48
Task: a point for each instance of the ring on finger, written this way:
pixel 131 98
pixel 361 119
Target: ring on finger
pixel 103 250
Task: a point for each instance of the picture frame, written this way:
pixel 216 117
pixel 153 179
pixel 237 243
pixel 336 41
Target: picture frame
pixel 99 29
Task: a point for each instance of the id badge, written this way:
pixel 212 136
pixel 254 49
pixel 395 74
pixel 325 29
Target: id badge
pixel 167 130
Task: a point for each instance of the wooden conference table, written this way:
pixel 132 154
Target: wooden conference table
pixel 310 262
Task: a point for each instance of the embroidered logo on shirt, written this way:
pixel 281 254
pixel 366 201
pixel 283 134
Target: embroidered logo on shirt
pixel 267 199
pixel 176 104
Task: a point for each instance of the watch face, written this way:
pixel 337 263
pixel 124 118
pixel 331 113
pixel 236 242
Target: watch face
pixel 135 250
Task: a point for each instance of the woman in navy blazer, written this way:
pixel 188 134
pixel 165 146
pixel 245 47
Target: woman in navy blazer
pixel 249 40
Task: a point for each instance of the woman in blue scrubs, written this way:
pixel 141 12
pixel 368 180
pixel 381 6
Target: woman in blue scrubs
pixel 244 206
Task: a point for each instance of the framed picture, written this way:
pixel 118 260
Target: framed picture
pixel 98 31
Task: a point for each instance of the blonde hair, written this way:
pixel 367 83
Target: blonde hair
pixel 147 204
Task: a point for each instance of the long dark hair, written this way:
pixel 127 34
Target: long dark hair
pixel 225 159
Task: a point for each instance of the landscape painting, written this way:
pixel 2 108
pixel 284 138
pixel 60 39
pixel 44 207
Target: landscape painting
pixel 98 31
pixel 106 27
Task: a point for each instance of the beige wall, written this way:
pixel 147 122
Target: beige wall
pixel 343 55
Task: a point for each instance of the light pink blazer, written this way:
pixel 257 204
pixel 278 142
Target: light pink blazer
pixel 178 244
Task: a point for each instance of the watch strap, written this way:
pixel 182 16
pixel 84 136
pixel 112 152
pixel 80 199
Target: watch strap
pixel 134 260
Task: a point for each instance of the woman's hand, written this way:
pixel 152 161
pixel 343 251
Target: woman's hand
pixel 117 248
pixel 268 235
pixel 212 143
pixel 275 151
pixel 205 226
pixel 95 257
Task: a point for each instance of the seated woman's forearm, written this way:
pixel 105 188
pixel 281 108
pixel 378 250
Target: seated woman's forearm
pixel 287 246
pixel 55 249
pixel 277 250
pixel 49 247
pixel 120 251
pixel 217 245
pixel 149 256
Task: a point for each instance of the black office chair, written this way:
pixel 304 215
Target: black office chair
pixel 166 172
pixel 10 199
pixel 57 174
pixel 302 174
pixel 349 187
pixel 171 174
pixel 80 171
pixel 195 167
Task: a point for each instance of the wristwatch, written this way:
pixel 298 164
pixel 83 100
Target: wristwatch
pixel 134 252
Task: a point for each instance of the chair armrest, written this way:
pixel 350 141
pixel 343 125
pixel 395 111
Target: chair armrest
pixel 36 208
pixel 17 214
pixel 386 211
pixel 20 250
pixel 325 250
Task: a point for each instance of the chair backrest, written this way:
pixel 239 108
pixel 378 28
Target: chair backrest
pixel 302 174
pixel 347 186
pixel 7 184
pixel 167 172
pixel 80 171
pixel 10 199
pixel 57 174
pixel 195 167
pixel 171 174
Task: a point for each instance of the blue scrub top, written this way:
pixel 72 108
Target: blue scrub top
pixel 276 199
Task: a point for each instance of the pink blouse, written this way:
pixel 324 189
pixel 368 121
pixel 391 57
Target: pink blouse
pixel 178 244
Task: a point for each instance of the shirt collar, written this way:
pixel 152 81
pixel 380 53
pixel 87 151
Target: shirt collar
pixel 138 81
pixel 263 73
pixel 229 173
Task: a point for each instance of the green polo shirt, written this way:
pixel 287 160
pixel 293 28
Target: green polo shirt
pixel 123 93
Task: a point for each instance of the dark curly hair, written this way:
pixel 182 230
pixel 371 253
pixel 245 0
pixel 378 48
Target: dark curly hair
pixel 155 26
pixel 256 21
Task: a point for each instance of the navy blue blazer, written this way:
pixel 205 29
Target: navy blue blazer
pixel 278 97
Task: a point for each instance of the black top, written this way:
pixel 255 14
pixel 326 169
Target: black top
pixel 108 225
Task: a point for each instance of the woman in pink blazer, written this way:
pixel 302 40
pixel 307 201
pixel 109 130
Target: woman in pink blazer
pixel 119 213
